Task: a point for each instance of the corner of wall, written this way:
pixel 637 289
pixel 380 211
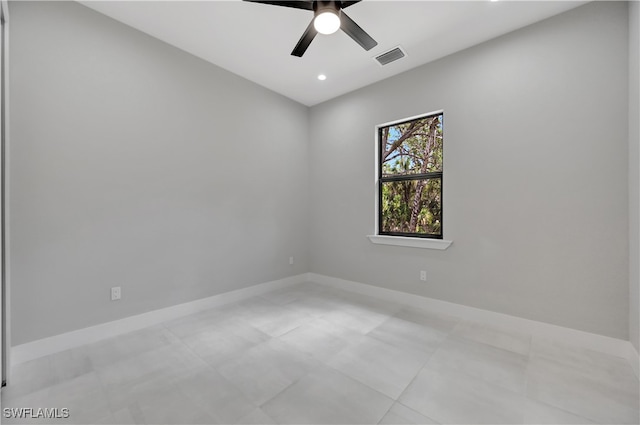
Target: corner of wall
pixel 634 174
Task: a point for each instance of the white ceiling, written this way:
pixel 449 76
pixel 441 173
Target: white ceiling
pixel 255 40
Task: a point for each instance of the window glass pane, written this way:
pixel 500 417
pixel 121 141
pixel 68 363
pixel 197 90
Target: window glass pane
pixel 412 148
pixel 412 206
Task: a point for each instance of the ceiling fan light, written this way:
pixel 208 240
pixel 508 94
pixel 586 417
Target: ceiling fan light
pixel 326 22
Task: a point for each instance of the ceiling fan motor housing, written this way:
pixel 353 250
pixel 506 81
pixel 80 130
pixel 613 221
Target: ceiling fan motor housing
pixel 321 6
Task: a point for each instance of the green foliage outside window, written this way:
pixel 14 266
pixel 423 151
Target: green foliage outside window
pixel 411 177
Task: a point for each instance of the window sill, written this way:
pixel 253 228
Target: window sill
pixel 440 244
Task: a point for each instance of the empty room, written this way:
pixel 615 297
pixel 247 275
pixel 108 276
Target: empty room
pixel 320 212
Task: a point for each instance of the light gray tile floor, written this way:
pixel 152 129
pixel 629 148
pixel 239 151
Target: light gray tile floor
pixel 311 354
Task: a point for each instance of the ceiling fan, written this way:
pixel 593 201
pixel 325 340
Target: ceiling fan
pixel 328 18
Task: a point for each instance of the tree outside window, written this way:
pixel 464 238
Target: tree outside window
pixel 410 177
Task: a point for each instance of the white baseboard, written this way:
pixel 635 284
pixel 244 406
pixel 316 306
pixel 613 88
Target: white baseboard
pixel 42 347
pixel 634 359
pixel 54 344
pixel 595 342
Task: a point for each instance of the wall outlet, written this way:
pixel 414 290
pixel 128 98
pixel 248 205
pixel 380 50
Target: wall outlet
pixel 291 260
pixel 423 275
pixel 116 293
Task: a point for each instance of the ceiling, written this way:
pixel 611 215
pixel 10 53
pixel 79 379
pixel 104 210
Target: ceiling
pixel 255 40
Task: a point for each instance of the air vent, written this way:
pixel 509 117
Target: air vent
pixel 390 56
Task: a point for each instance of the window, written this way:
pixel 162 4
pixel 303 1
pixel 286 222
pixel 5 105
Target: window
pixel 410 177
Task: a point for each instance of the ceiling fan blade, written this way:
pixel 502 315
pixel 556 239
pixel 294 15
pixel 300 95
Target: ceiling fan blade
pixel 306 5
pixel 346 4
pixel 358 34
pixel 305 40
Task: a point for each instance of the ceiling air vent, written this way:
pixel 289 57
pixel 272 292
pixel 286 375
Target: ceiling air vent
pixel 390 56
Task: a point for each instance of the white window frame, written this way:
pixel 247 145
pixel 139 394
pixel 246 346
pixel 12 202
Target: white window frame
pixel 413 242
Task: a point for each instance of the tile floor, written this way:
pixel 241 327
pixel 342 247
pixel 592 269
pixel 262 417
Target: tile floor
pixel 311 354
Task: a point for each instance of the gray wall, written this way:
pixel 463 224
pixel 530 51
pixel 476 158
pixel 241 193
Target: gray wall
pixel 135 164
pixel 634 175
pixel 535 185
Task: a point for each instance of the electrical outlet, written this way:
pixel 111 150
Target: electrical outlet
pixel 423 275
pixel 290 260
pixel 116 293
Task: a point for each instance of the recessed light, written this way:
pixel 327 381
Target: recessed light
pixel 322 77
